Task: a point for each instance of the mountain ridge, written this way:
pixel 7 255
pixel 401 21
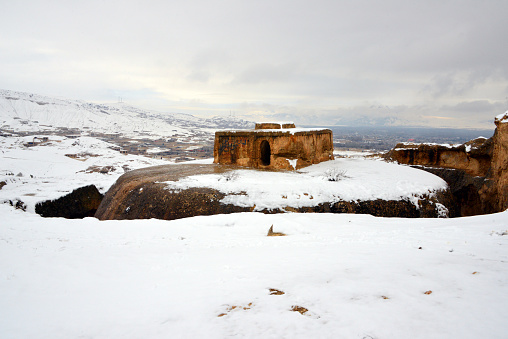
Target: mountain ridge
pixel 28 112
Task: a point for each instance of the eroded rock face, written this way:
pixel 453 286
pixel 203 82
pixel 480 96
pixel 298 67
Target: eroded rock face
pixel 142 194
pixel 477 171
pixel 474 157
pixel 495 190
pixel 80 203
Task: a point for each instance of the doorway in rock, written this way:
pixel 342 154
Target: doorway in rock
pixel 265 153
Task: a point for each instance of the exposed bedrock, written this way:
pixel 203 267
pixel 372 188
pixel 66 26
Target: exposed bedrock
pixel 473 157
pixel 142 194
pixel 495 190
pixel 80 203
pixel 477 171
pixel 427 207
pixel 464 188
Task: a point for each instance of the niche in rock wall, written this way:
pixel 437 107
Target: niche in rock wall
pixel 265 153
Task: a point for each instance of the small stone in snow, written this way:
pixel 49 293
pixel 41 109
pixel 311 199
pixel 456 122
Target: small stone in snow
pixel 299 309
pixel 274 291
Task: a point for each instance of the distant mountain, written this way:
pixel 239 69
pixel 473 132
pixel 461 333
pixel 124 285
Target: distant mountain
pixel 31 112
pixel 364 120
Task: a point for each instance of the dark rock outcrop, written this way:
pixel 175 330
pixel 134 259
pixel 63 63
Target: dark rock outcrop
pixel 427 207
pixel 80 203
pixel 464 189
pixel 476 172
pixel 17 204
pixel 142 194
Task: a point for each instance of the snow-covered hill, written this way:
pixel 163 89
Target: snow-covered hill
pixel 31 112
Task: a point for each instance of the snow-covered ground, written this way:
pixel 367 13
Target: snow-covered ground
pixel 352 154
pixel 210 277
pixel 43 172
pixel 352 276
pixel 330 181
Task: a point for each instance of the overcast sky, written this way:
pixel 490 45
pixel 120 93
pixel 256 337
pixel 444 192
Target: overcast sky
pixel 437 63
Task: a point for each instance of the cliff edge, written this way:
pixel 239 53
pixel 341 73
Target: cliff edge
pixel 477 171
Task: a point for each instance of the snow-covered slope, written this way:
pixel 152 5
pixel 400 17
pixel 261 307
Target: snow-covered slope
pixel 352 276
pixel 30 112
pixel 42 172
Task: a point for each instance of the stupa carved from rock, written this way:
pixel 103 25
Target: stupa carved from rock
pixel 274 146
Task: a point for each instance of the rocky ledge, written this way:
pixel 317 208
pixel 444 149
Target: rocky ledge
pixel 147 193
pixel 477 171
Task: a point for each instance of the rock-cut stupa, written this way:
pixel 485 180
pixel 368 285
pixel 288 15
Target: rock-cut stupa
pixel 275 146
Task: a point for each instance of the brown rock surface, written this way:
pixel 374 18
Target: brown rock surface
pixel 475 162
pixel 477 171
pixel 142 194
pixel 495 190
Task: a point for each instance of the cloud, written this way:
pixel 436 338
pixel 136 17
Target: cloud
pixel 262 73
pixel 439 118
pixel 317 61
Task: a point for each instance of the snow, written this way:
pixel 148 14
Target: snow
pixel 31 112
pixel 39 173
pixel 352 154
pixel 502 117
pixel 330 181
pixel 156 150
pixel 415 146
pixel 192 148
pixel 292 162
pixel 210 277
pixel 275 122
pixel 358 276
